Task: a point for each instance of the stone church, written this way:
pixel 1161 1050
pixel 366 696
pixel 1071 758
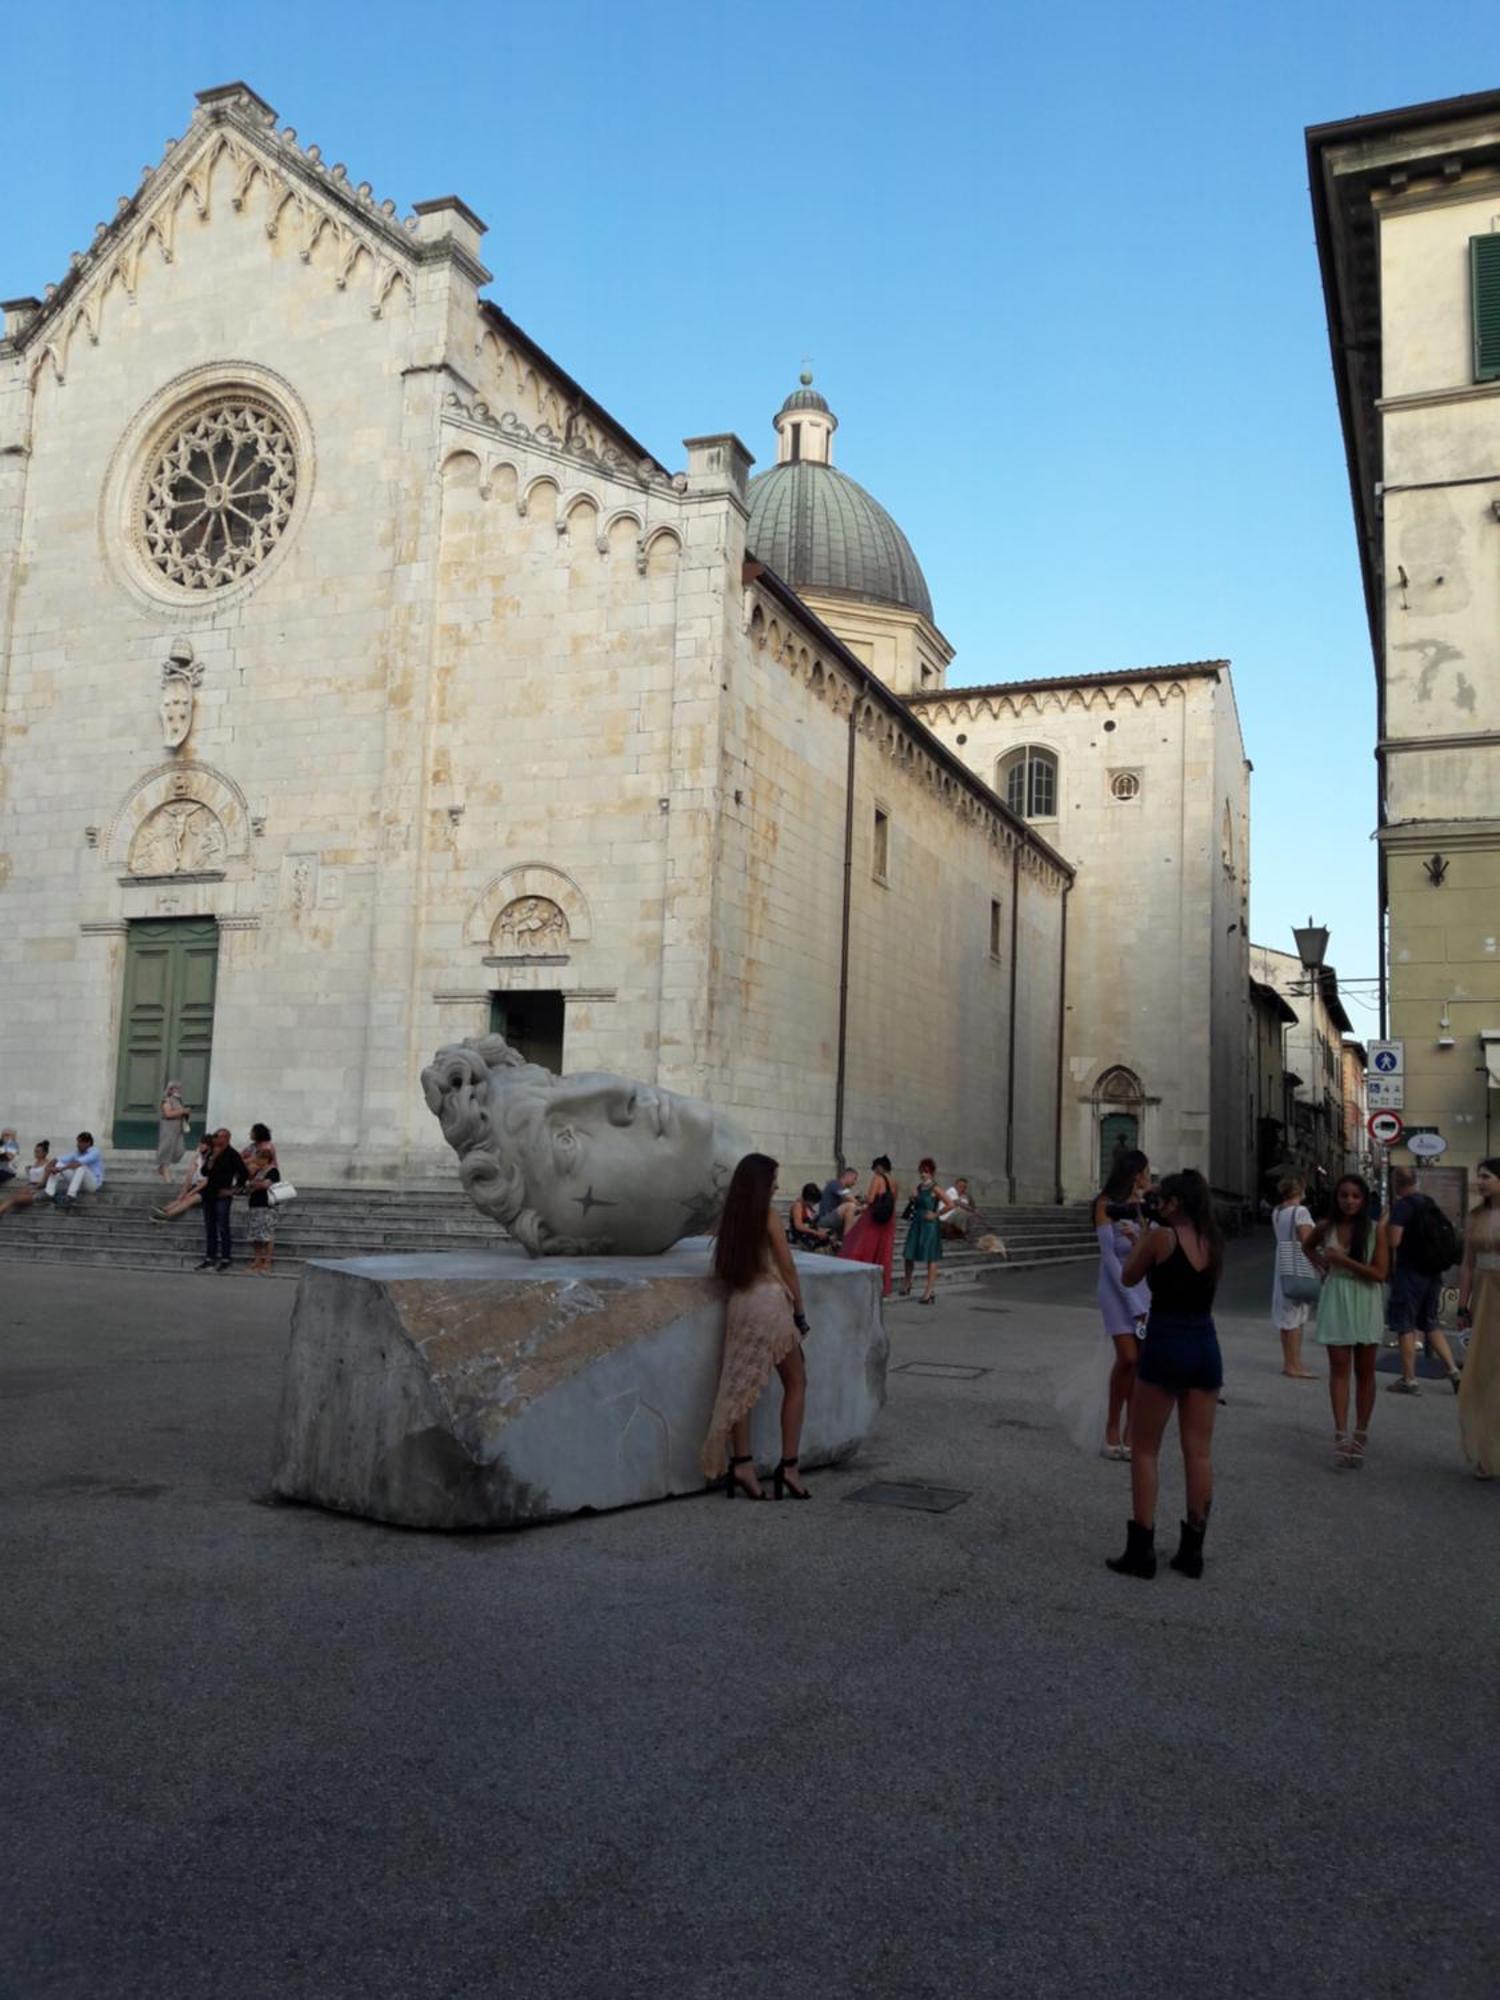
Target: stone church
pixel 366 685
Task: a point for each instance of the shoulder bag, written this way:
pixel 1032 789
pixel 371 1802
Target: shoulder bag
pixel 1300 1283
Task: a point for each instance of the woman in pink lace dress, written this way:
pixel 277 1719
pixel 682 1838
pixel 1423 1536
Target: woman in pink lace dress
pixel 763 1330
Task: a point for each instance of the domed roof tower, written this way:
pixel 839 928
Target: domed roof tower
pixel 839 549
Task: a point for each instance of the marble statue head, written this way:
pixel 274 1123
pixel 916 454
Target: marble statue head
pixel 586 1165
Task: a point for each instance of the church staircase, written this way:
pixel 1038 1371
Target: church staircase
pixel 115 1228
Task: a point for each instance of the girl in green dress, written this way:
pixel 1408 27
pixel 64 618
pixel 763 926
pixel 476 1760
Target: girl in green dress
pixel 924 1235
pixel 1351 1249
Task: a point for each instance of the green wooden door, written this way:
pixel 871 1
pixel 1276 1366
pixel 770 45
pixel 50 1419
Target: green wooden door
pixel 167 1026
pixel 1119 1132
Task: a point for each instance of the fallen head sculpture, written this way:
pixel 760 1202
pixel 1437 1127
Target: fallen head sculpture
pixel 586 1165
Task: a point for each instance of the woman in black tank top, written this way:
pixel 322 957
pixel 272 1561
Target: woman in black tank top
pixel 1180 1368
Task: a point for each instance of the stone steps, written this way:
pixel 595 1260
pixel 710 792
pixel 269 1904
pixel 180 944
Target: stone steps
pixel 115 1228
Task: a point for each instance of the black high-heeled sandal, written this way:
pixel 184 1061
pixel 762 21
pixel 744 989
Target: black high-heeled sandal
pixel 783 1486
pixel 733 1485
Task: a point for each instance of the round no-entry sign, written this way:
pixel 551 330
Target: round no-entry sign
pixel 1385 1128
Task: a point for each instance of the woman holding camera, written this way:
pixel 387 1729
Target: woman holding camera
pixel 763 1330
pixel 872 1239
pixel 1180 1369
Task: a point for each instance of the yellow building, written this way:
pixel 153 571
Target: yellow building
pixel 1407 209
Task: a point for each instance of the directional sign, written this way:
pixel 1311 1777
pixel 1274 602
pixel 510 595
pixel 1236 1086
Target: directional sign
pixel 1385 1093
pixel 1426 1145
pixel 1385 1128
pixel 1388 1058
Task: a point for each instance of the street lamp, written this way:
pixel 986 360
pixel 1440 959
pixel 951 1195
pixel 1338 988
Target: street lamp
pixel 1312 945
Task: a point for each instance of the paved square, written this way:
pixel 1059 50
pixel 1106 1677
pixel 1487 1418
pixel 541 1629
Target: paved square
pixel 694 1749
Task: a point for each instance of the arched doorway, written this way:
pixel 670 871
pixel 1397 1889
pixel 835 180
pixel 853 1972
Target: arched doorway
pixel 1118 1104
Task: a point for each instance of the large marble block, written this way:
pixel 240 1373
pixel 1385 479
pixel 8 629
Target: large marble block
pixel 482 1389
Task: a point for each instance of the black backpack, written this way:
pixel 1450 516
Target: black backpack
pixel 1429 1242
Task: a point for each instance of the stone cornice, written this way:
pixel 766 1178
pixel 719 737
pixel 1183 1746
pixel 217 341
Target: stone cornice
pixel 1413 835
pixel 1085 692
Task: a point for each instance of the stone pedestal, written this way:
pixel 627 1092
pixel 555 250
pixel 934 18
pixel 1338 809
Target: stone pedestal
pixel 485 1389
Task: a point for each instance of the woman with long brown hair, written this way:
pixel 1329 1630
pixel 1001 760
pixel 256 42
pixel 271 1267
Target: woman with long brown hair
pixel 763 1330
pixel 1180 1369
pixel 1352 1249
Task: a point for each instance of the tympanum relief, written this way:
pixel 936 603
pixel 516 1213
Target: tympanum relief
pixel 182 837
pixel 531 925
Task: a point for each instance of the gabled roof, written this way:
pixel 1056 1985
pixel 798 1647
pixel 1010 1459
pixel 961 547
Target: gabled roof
pixel 234 110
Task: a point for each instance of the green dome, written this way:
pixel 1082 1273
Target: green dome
pixel 820 531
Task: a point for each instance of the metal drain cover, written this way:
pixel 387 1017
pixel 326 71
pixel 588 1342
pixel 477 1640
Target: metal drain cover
pixel 945 1371
pixel 902 1493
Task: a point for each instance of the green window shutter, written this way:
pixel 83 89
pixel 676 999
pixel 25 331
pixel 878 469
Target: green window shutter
pixel 1484 263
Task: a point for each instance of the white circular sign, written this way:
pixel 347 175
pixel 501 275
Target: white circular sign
pixel 1385 1128
pixel 1427 1145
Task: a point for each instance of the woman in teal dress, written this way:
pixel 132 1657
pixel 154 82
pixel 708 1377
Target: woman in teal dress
pixel 1350 1247
pixel 924 1235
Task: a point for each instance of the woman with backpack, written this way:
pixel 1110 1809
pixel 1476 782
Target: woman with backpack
pixel 1352 1249
pixel 872 1239
pixel 1479 1309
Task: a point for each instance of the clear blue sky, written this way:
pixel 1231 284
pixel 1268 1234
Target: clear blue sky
pixel 1054 266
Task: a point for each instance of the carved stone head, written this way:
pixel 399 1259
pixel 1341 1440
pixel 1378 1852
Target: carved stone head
pixel 592 1164
pixel 180 676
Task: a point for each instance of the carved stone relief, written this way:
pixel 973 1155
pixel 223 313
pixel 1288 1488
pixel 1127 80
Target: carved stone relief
pixel 531 924
pixel 183 837
pixel 181 675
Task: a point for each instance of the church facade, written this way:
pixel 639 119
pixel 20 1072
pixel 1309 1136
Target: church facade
pixel 367 685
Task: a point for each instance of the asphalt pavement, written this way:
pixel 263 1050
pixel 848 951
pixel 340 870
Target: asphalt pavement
pixel 690 1749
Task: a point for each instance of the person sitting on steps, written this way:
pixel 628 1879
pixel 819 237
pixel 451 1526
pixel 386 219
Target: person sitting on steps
pixel 84 1169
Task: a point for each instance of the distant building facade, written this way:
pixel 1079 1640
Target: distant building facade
pixel 1316 1141
pixel 1407 210
pixel 1141 778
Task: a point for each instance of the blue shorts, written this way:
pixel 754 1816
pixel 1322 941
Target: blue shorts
pixel 1413 1303
pixel 1181 1352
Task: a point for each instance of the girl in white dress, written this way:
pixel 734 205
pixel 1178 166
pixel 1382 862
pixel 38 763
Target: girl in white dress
pixel 1290 1223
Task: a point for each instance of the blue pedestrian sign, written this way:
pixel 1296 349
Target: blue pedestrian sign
pixel 1387 1058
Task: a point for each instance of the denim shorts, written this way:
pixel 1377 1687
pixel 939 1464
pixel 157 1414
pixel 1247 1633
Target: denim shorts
pixel 1413 1303
pixel 1181 1352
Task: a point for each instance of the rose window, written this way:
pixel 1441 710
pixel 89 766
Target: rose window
pixel 220 496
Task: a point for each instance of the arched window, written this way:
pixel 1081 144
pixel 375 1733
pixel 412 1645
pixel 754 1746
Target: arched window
pixel 1027 781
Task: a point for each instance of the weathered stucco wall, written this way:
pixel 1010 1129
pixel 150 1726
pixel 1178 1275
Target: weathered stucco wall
pixel 1441 447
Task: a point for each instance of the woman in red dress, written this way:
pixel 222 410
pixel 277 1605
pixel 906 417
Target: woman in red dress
pixel 872 1238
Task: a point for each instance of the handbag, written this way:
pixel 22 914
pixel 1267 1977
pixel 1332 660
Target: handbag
pixel 279 1192
pixel 1300 1283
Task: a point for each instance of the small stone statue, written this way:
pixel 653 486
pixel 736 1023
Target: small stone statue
pixel 180 677
pixel 587 1165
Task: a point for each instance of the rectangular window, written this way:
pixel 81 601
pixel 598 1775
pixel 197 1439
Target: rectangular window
pixel 882 845
pixel 994 930
pixel 1484 266
pixel 796 442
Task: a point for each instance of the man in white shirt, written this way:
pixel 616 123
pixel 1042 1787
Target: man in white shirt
pixel 955 1217
pixel 84 1168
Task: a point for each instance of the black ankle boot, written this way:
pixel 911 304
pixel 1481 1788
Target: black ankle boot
pixel 1189 1557
pixel 1139 1558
